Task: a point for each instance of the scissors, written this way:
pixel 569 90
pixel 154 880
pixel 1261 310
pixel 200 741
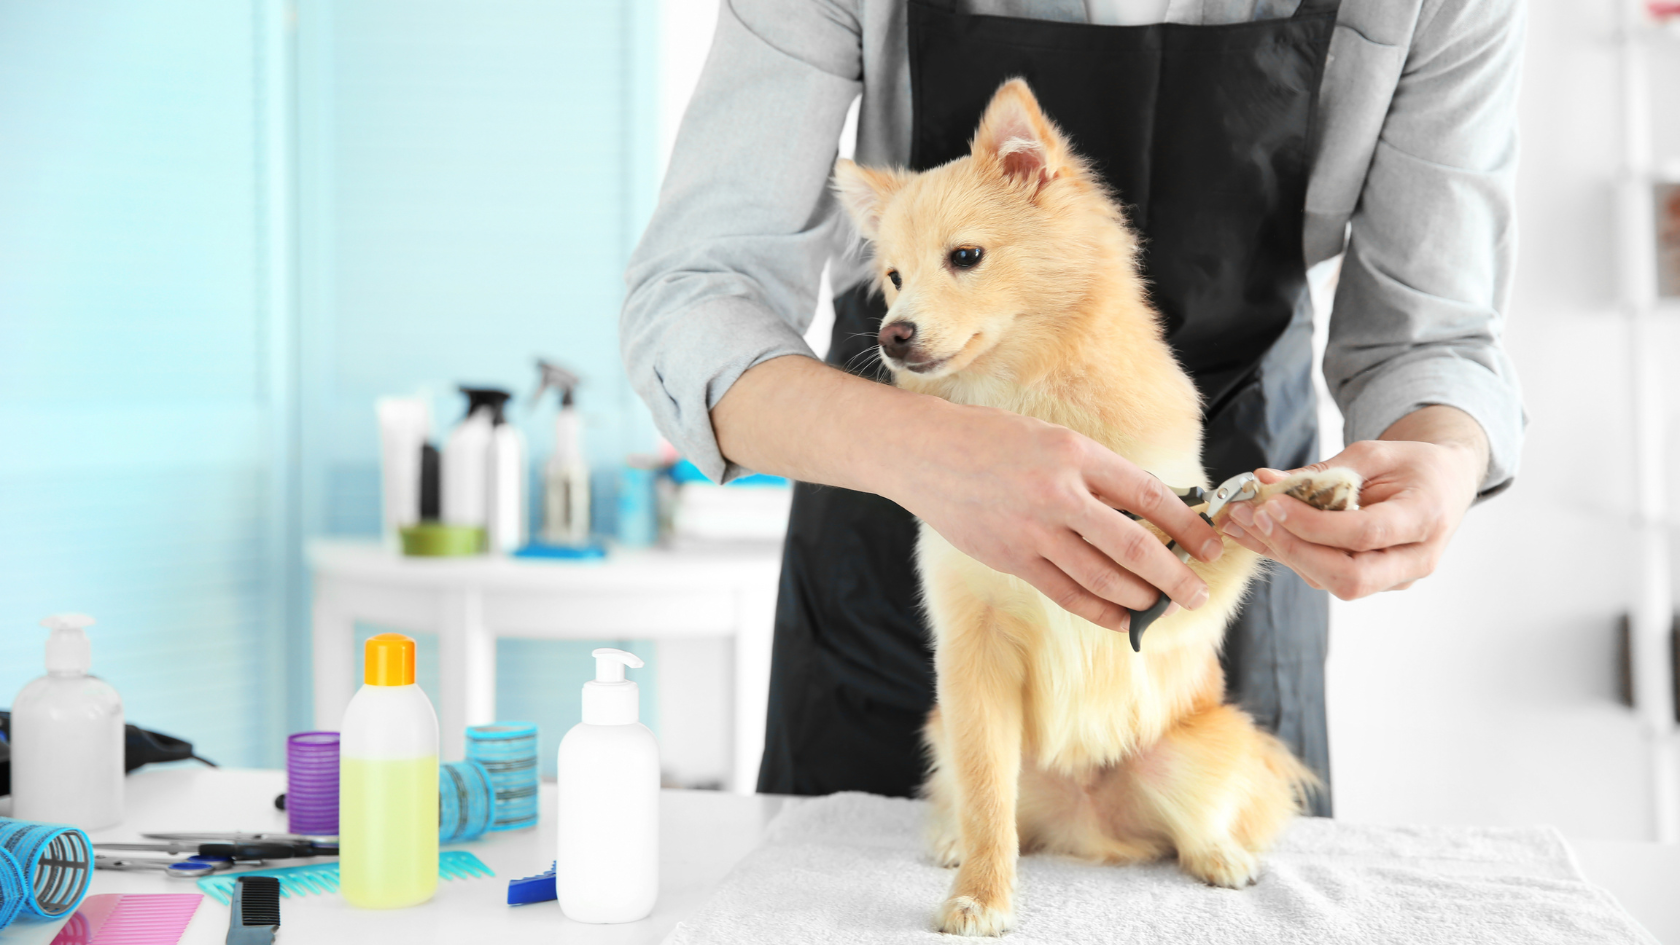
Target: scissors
pixel 239 835
pixel 190 868
pixel 1238 488
pixel 234 849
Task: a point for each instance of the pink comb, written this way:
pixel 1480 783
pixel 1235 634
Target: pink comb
pixel 120 919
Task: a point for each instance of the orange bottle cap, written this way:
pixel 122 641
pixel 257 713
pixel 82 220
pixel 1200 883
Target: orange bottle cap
pixel 388 660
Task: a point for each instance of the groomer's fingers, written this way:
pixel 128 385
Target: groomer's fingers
pixel 1137 550
pixel 1103 573
pixel 1053 583
pixel 1124 485
pixel 1241 536
pixel 1348 575
pixel 1404 520
pixel 1252 542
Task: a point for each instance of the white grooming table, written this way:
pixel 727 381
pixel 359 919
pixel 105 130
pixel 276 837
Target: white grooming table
pixel 703 835
pixel 671 597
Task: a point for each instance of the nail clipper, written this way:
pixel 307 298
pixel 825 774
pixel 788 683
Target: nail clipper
pixel 1238 488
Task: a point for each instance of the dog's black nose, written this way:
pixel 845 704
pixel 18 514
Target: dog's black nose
pixel 896 339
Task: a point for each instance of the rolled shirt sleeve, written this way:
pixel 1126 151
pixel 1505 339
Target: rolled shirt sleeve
pixel 726 275
pixel 1426 280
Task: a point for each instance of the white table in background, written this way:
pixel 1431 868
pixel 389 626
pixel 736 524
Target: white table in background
pixel 665 596
pixel 702 835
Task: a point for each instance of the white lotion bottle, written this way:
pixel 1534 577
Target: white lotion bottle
pixel 67 737
pixel 607 863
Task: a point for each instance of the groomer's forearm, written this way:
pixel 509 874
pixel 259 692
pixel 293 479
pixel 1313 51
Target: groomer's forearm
pixel 797 417
pixel 1449 427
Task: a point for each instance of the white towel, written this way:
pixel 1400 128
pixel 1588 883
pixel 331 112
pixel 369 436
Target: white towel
pixel 852 868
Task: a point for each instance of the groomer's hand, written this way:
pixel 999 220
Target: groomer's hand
pixel 1420 478
pixel 1038 501
pixel 1019 495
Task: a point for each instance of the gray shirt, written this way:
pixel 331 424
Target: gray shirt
pixel 1414 159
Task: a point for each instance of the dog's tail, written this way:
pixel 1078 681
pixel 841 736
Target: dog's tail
pixel 1282 788
pixel 1303 782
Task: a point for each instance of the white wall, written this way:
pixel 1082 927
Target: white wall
pixel 1486 693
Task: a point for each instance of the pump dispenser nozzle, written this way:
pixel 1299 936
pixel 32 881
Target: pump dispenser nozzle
pixel 610 663
pixel 609 698
pixel 68 650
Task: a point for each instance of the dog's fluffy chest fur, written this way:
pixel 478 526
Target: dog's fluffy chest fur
pixel 1089 700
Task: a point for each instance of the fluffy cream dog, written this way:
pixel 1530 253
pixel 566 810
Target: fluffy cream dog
pixel 1012 282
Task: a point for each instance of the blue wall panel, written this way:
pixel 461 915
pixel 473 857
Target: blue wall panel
pixel 473 179
pixel 136 482
pixel 470 179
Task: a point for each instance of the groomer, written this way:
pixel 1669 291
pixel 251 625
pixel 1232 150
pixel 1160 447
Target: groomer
pixel 1249 139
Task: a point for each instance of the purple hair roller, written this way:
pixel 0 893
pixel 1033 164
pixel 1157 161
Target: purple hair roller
pixel 312 784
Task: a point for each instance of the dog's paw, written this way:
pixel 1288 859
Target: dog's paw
pixel 965 915
pixel 1335 489
pixel 1226 865
pixel 946 850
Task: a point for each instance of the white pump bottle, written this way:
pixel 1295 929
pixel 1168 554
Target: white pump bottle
pixel 67 737
pixel 607 863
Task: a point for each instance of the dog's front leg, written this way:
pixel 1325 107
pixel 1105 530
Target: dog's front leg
pixel 980 692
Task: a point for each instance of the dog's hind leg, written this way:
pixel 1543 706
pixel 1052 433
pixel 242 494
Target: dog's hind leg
pixel 1221 789
pixel 979 759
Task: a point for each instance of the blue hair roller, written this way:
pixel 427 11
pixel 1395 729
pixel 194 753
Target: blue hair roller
pixel 49 869
pixel 14 889
pixel 508 750
pixel 466 801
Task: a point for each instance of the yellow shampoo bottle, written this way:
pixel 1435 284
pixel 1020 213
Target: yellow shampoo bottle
pixel 388 784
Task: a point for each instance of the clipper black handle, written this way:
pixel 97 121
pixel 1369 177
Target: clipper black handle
pixel 1141 619
pixel 250 850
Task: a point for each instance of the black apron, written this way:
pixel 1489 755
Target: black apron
pixel 1203 133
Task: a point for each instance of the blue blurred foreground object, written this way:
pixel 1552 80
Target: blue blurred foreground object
pixel 594 551
pixel 323 877
pixel 45 870
pixel 685 471
pixel 638 503
pixel 528 889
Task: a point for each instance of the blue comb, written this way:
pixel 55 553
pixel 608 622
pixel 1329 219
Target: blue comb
pixel 323 877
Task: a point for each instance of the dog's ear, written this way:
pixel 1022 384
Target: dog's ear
pixel 864 191
pixel 1017 141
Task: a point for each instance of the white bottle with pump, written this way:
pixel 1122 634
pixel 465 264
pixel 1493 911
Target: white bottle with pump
pixel 483 474
pixel 67 737
pixel 607 863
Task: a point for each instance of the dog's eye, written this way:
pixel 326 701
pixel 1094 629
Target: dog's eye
pixel 966 257
pixel 893 275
